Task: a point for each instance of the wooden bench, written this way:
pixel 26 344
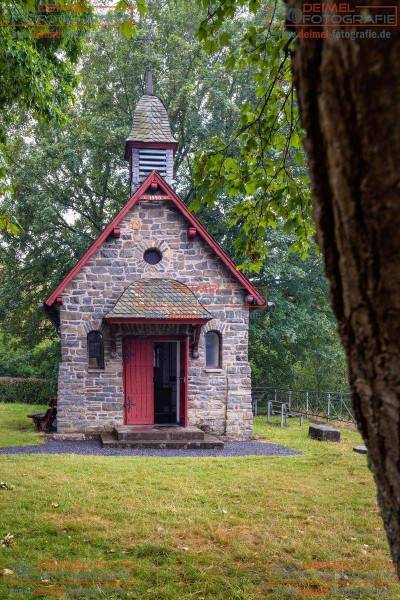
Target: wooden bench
pixel 44 421
pixel 282 409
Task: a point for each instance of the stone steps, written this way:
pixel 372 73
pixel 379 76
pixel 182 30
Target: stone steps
pixel 109 440
pixel 174 433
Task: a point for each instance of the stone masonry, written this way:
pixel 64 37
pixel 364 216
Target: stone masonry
pixel 92 400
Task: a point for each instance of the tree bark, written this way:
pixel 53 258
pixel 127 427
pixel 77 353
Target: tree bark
pixel 349 96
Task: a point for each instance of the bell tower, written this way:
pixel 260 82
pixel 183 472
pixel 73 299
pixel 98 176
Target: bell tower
pixel 150 145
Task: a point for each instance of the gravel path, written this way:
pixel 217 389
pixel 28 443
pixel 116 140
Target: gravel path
pixel 94 448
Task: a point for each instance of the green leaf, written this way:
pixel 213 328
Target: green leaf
pixel 122 5
pixel 251 187
pixel 128 29
pixel 142 7
pixel 225 38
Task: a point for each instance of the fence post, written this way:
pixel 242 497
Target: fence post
pixel 275 395
pixel 283 406
pixel 307 404
pixel 290 399
pixel 329 405
pixel 269 406
pixel 255 408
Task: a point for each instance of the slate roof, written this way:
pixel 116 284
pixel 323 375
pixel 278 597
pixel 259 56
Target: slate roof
pixel 158 299
pixel 150 122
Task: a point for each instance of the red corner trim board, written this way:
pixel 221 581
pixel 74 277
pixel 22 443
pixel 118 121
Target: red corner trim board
pixel 155 178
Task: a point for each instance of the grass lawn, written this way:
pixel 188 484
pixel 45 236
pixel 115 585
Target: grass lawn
pixel 15 428
pixel 196 528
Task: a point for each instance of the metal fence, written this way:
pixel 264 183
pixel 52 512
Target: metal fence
pixel 310 403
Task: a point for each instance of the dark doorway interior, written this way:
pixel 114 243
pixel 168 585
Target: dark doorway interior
pixel 165 382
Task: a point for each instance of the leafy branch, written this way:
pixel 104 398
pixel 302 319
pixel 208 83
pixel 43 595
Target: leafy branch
pixel 261 165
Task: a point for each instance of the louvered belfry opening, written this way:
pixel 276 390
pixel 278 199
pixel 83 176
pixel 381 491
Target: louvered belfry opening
pixel 152 160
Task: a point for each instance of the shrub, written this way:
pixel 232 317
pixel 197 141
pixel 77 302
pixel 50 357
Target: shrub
pixel 18 360
pixel 26 389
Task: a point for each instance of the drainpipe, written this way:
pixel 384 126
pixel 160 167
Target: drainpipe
pixel 226 403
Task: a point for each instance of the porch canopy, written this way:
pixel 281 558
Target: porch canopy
pixel 152 301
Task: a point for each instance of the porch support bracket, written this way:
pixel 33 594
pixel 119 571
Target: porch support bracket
pixel 195 340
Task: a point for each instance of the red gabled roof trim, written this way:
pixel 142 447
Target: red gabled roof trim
pixel 154 177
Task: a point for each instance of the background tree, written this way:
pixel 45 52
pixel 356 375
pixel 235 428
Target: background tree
pixel 40 45
pixel 262 162
pixel 294 343
pixel 38 52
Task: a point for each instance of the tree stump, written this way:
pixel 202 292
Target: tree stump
pixel 324 433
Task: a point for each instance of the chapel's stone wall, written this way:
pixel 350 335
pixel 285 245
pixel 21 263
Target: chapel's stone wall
pixel 92 400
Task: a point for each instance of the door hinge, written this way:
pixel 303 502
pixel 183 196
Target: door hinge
pixel 129 404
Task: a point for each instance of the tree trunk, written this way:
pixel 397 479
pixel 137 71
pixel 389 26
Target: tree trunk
pixel 349 95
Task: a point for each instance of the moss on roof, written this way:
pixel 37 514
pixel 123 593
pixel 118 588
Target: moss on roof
pixel 150 122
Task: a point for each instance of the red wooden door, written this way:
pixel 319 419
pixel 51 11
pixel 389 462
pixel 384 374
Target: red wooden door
pixel 138 381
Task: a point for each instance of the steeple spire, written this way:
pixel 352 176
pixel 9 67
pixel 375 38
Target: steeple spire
pixel 150 145
pixel 149 81
pixel 149 72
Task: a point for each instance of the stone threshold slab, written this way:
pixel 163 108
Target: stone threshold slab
pixel 108 440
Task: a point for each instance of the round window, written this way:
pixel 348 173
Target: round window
pixel 152 256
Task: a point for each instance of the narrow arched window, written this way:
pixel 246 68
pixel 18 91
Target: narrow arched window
pixel 95 347
pixel 213 350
